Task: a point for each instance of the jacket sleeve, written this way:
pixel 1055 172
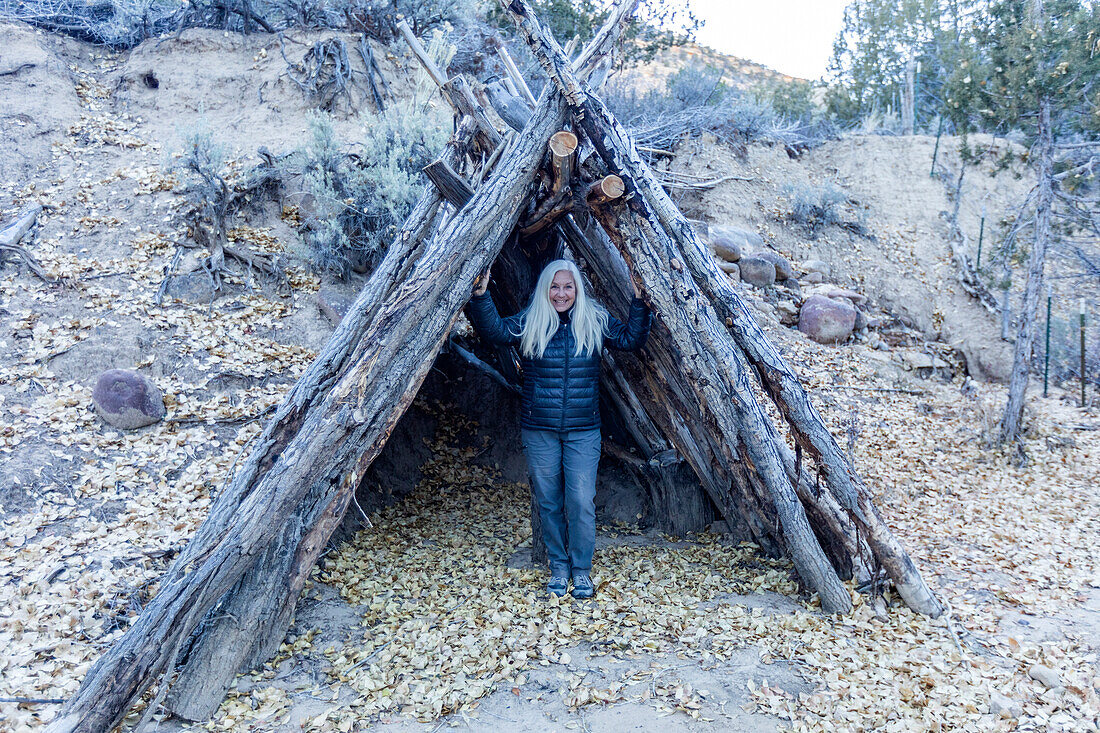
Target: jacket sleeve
pixel 631 335
pixel 490 326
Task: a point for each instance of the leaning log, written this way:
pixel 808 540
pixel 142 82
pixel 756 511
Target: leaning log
pixel 652 214
pixel 308 484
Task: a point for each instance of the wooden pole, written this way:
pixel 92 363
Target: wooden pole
pixel 1082 329
pixel 1046 354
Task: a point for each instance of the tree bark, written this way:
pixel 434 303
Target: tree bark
pixel 1012 420
pixel 308 483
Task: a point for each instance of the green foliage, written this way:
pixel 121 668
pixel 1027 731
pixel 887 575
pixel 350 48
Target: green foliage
pixel 792 99
pixel 879 42
pixel 360 200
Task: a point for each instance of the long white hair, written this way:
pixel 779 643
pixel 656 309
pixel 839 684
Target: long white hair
pixel 540 320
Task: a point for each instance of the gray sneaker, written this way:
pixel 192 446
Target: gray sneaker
pixel 582 586
pixel 557 586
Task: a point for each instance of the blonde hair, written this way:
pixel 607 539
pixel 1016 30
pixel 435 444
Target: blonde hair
pixel 540 320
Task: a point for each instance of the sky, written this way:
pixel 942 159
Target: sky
pixel 794 37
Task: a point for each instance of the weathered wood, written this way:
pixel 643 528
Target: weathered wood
pixel 605 190
pixel 251 620
pixel 563 146
pixel 652 204
pixel 513 110
pixel 12 233
pixel 311 478
pixel 421 54
pixel 458 92
pixel 452 186
pixel 514 75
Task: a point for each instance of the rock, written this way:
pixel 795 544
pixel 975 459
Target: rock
pixel 1003 706
pixel 825 320
pixel 821 268
pixel 1045 675
pixel 757 271
pixel 814 278
pixel 734 274
pixel 924 364
pixel 783 269
pixel 861 320
pixel 732 238
pixel 851 295
pixel 792 285
pixel 127 400
pixel 334 299
pixel 728 267
pixel 788 312
pixel 725 249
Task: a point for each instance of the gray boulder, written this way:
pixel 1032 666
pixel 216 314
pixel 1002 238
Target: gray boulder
pixel 730 243
pixel 825 320
pixel 783 269
pixel 818 266
pixel 127 400
pixel 757 271
pixel 814 278
pixel 728 267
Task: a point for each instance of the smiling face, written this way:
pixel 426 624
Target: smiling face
pixel 563 291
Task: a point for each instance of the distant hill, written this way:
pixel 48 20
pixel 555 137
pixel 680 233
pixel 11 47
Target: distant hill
pixel 739 73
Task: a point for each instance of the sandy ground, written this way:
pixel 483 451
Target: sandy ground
pixel 430 611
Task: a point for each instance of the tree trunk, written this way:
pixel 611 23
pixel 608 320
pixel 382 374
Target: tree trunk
pixel 1012 421
pixel 308 483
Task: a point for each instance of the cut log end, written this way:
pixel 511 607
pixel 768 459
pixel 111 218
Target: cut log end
pixel 605 190
pixel 563 144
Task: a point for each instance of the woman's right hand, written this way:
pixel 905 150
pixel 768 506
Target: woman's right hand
pixel 482 283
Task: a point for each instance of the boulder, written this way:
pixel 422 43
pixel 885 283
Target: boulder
pixel 127 400
pixel 814 278
pixel 788 312
pixel 734 273
pixel 924 364
pixel 792 285
pixel 757 271
pixel 783 269
pixel 825 320
pixel 725 250
pixel 821 268
pixel 732 238
pixel 728 267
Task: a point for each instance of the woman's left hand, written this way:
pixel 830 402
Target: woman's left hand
pixel 637 289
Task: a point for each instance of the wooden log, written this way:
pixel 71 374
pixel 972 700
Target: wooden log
pixel 422 55
pixel 310 480
pixel 12 233
pixel 513 110
pixel 250 621
pixel 513 73
pixel 618 151
pixel 451 186
pixel 563 146
pixel 605 190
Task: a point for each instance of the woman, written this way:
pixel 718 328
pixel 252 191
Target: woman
pixel 560 336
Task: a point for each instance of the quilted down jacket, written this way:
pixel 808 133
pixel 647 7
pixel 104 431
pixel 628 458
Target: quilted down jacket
pixel 561 391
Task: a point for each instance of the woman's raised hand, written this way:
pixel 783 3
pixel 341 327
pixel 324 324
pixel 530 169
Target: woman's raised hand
pixel 637 288
pixel 482 283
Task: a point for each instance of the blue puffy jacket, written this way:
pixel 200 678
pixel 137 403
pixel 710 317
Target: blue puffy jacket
pixel 561 391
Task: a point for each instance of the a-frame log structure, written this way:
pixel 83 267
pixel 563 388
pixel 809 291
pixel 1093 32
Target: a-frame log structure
pixel 506 198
